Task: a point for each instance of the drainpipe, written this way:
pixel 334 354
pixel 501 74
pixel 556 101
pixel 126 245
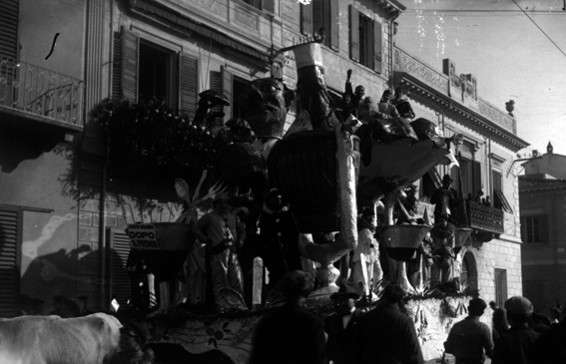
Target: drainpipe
pixel 392 33
pixel 102 227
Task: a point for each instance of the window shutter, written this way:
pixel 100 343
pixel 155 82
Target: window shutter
pixel 119 244
pixel 269 5
pixel 216 85
pixel 129 65
pixel 354 34
pixel 307 19
pixel 477 177
pixel 318 17
pixel 189 84
pixel 334 31
pixel 227 84
pixel 9 278
pixel 377 45
pixel 117 66
pixel 500 201
pixel 9 28
pixel 543 229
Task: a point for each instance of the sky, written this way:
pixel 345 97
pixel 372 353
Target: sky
pixel 512 56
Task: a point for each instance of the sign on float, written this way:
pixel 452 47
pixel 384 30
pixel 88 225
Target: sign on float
pixel 142 236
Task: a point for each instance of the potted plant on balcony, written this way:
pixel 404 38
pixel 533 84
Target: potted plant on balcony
pixel 148 139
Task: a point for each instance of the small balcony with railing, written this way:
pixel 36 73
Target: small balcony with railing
pixel 487 221
pixel 32 97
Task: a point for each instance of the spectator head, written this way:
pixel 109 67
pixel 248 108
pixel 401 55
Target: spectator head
pixel 360 91
pixel 393 293
pixel 476 307
pixel 519 310
pixel 493 305
pixel 296 285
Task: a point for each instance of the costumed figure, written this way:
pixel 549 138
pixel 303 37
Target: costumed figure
pixel 443 253
pixel 278 237
pixel 366 267
pixel 344 326
pixel 223 234
pixel 352 99
pixel 445 199
pixel 386 108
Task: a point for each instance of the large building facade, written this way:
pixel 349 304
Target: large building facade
pixel 543 253
pixel 61 222
pixel 492 262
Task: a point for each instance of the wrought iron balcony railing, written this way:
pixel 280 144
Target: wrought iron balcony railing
pixel 35 90
pixel 485 218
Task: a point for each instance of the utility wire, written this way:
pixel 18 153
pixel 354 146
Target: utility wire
pixel 543 32
pixel 508 11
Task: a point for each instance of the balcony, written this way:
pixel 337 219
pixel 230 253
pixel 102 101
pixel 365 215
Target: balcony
pixel 487 221
pixel 33 97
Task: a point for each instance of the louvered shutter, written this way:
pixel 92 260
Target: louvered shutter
pixel 119 244
pixel 477 177
pixel 9 28
pixel 354 34
pixel 129 65
pixel 334 31
pixel 318 17
pixel 377 45
pixel 10 234
pixel 269 5
pixel 189 84
pixel 307 19
pixel 227 85
pixel 117 66
pixel 216 85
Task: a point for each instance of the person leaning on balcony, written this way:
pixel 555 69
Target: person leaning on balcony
pixel 469 339
pixel 223 233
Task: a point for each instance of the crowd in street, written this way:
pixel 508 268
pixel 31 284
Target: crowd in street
pixel 386 333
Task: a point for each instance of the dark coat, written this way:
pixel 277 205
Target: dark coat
pixel 389 336
pixel 344 344
pixel 289 335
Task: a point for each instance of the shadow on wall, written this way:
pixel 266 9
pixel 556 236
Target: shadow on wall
pixel 56 274
pixel 17 146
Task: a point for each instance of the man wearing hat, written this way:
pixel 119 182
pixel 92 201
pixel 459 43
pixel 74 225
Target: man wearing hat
pixel 445 199
pixel 223 233
pixel 517 345
pixel 343 327
pixel 469 339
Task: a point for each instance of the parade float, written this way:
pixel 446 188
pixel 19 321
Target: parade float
pixel 325 168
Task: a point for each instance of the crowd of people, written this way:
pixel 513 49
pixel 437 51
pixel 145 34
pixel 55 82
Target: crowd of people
pixel 386 333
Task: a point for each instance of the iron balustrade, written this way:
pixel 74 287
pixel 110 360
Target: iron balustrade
pixel 35 90
pixel 485 218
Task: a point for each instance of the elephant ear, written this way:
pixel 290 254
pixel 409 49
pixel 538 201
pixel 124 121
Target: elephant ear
pixel 182 189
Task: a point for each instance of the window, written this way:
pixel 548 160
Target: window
pixel 157 74
pixel 268 5
pixel 534 229
pixel 499 200
pixel 470 173
pixel 500 286
pixel 321 14
pixel 365 40
pixel 142 70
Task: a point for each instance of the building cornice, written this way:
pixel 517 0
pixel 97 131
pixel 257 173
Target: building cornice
pixel 184 25
pixel 437 90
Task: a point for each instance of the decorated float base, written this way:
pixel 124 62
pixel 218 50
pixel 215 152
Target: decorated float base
pixel 230 335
